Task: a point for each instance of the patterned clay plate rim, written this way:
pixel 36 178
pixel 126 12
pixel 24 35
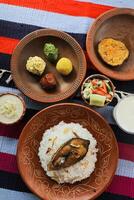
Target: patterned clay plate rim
pixel 87 109
pixel 78 51
pixel 90 42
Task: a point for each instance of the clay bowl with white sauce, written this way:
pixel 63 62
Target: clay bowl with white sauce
pixel 12 108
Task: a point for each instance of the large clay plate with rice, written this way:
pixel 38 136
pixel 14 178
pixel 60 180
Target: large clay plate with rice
pixel 34 175
pixel 32 45
pixel 117 24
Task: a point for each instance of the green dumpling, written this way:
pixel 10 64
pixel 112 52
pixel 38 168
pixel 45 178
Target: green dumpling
pixel 51 52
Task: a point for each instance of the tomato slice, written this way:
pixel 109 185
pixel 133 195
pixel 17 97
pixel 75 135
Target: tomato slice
pixel 101 89
pixel 94 82
pixel 97 91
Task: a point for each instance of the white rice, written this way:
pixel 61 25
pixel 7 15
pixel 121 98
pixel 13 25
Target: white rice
pixel 54 138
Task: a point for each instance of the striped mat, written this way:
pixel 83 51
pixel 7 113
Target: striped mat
pixel 17 19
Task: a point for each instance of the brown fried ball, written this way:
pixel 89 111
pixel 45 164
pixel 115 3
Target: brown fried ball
pixel 113 52
pixel 48 81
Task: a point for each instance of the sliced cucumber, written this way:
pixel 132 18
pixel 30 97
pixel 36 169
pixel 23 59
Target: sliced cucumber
pixel 106 81
pixel 88 85
pixel 95 86
pixel 99 83
pixel 97 100
pixel 108 87
pixel 86 93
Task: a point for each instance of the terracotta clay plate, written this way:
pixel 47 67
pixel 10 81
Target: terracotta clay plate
pixel 31 170
pixel 32 45
pixel 116 24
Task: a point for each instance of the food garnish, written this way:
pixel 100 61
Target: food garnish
pixel 64 66
pixel 51 52
pixel 71 152
pixel 35 65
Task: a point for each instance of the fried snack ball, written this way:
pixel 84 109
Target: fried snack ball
pixel 35 65
pixel 48 81
pixel 51 52
pixel 113 52
pixel 64 66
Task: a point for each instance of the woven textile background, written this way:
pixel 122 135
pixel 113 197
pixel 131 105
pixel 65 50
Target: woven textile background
pixel 17 19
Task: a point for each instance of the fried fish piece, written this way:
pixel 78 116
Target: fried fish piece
pixel 71 152
pixel 113 52
pixel 48 81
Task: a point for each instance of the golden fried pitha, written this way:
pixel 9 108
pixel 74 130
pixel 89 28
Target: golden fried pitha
pixel 113 52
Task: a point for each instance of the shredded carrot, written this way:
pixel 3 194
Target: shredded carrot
pixel 94 82
pixel 102 89
pixel 96 91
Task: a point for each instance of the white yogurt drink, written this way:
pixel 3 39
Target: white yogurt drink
pixel 124 114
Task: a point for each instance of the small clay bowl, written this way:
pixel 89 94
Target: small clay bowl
pixel 101 77
pixel 32 45
pixel 23 112
pixel 117 24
